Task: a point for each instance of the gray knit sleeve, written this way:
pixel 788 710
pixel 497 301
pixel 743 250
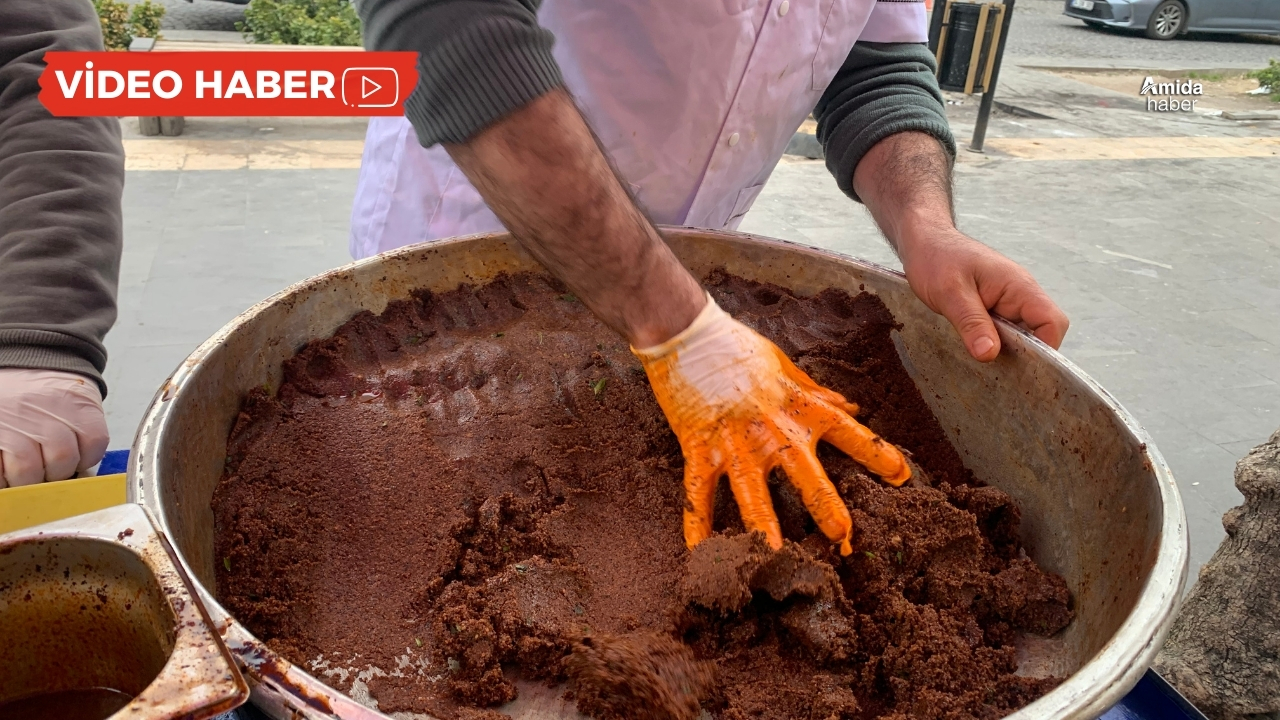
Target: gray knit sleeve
pixel 478 60
pixel 61 180
pixel 882 89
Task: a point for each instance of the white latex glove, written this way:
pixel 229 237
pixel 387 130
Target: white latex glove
pixel 51 425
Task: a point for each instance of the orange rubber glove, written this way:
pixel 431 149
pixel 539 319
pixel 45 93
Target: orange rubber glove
pixel 740 407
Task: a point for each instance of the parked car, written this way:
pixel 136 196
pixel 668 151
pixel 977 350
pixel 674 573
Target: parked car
pixel 1167 19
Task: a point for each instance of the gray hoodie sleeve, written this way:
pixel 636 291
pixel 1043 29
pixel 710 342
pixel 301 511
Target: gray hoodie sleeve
pixel 478 60
pixel 61 181
pixel 882 89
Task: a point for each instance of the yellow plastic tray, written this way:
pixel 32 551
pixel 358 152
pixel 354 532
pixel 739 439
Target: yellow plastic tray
pixel 29 505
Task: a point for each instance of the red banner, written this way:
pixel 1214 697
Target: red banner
pixel 170 84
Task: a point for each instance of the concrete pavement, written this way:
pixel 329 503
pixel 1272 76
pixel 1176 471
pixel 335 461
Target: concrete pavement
pixel 199 15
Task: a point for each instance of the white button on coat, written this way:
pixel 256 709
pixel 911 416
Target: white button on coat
pixel 659 81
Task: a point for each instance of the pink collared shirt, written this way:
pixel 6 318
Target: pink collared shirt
pixel 694 100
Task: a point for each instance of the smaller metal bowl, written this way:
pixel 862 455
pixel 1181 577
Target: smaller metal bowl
pixel 95 613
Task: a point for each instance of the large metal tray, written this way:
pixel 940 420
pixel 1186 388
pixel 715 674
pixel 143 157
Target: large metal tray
pixel 1099 504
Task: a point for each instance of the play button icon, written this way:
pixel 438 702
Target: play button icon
pixel 370 87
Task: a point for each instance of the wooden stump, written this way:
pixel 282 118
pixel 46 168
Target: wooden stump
pixel 1223 652
pixel 170 126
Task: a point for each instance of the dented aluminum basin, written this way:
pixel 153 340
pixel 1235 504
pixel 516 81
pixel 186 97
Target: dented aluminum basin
pixel 1099 505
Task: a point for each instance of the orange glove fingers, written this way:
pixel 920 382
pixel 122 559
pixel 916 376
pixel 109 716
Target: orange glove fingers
pixel 747 479
pixel 819 495
pixel 700 480
pixel 858 442
pixel 801 378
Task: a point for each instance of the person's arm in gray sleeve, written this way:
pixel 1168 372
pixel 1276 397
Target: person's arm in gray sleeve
pixel 881 90
pixel 884 131
pixel 478 60
pixel 61 181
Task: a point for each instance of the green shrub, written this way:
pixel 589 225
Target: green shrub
pixel 145 19
pixel 301 22
pixel 114 16
pixel 122 23
pixel 1269 77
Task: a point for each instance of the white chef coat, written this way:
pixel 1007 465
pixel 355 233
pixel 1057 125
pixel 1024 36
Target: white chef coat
pixel 694 100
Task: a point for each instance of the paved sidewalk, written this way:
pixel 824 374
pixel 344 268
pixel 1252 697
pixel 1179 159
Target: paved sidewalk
pixel 1167 266
pixel 1034 104
pixel 201 246
pixel 199 16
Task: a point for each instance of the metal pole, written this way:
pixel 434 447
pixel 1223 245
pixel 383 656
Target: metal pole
pixel 935 24
pixel 989 93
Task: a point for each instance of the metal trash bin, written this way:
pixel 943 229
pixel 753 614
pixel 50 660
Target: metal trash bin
pixel 956 56
pixel 968 41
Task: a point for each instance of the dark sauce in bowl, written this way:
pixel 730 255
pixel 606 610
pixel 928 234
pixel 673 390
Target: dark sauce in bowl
pixel 79 704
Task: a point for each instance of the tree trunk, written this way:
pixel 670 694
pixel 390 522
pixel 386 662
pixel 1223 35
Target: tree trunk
pixel 1223 652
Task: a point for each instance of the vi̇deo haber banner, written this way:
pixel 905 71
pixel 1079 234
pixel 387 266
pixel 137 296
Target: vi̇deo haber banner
pixel 192 84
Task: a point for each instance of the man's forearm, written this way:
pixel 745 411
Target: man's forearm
pixel 542 173
pixel 905 182
pixel 477 60
pixel 489 91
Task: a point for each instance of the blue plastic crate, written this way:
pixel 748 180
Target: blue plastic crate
pixel 115 461
pixel 1153 699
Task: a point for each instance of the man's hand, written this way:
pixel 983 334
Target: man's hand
pixel 740 407
pixel 905 181
pixel 51 426
pixel 965 281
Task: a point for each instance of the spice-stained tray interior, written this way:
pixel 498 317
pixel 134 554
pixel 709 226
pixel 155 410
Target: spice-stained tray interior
pixel 1097 505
